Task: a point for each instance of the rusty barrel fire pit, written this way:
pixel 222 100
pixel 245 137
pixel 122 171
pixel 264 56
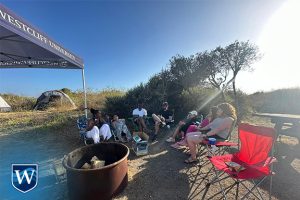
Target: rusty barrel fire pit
pixel 102 183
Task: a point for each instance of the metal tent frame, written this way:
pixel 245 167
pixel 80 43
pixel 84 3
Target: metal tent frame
pixel 24 46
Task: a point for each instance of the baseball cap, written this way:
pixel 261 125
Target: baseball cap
pixel 194 112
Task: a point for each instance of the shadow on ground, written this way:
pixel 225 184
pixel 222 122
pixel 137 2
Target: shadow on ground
pixel 38 146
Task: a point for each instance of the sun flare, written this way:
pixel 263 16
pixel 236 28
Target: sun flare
pixel 279 42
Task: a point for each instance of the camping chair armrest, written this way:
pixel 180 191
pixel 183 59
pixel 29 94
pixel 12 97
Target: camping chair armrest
pixel 269 161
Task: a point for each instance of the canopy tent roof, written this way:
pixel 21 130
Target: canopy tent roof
pixel 22 46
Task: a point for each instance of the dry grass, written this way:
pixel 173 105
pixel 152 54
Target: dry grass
pixel 10 122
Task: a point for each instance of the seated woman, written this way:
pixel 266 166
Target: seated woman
pixel 219 129
pixel 194 128
pixel 92 131
pixel 121 128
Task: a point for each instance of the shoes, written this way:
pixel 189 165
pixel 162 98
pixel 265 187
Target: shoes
pixel 170 139
pixel 163 124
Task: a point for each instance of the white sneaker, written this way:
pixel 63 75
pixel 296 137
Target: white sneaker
pixel 170 139
pixel 163 124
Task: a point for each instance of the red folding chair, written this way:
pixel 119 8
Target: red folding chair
pixel 256 146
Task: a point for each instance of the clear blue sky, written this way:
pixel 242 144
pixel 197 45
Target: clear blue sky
pixel 123 43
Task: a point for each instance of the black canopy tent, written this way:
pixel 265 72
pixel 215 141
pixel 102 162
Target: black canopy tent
pixel 24 46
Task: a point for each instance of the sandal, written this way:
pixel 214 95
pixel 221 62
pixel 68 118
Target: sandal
pixel 182 143
pixel 190 160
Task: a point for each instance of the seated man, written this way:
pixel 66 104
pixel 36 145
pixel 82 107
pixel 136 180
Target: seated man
pixel 92 131
pixel 164 116
pixel 139 115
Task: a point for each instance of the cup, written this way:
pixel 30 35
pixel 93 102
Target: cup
pixel 212 141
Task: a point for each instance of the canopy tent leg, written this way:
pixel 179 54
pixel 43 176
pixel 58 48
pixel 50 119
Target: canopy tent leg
pixel 84 90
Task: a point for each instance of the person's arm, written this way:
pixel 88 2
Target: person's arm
pixel 227 123
pixel 205 128
pixel 113 124
pixel 204 123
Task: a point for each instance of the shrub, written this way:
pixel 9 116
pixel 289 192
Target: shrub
pixel 19 103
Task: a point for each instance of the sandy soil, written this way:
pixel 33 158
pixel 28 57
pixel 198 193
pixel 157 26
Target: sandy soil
pixel 161 174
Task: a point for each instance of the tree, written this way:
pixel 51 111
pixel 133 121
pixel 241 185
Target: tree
pixel 217 72
pixel 187 71
pixel 236 57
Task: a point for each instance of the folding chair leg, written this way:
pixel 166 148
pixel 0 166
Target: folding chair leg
pixel 227 189
pixel 259 193
pixel 270 189
pixel 237 190
pixel 217 179
pixel 250 190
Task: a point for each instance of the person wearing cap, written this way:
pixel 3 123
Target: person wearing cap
pixel 164 116
pixel 194 128
pixel 184 125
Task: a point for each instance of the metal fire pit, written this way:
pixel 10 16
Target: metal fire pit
pixel 102 183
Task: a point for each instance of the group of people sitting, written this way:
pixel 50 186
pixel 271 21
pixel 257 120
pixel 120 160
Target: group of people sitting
pixel 217 124
pixel 99 127
pixel 162 118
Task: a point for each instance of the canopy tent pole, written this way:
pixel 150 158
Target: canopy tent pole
pixel 84 90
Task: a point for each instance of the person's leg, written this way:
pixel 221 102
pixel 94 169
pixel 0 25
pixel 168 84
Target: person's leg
pixel 127 132
pixel 192 141
pixel 157 124
pixel 143 124
pixel 140 125
pixel 176 132
pixel 156 118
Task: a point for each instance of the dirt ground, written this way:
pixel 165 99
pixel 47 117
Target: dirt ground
pixel 161 174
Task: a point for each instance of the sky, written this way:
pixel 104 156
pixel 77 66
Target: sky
pixel 123 43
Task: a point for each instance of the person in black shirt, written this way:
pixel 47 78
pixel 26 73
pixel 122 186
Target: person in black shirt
pixel 164 116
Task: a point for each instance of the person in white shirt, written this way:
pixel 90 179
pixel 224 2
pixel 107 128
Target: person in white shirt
pixel 139 114
pixel 104 129
pixel 105 132
pixel 93 131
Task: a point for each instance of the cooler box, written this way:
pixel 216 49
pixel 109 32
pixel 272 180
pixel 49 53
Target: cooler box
pixel 140 143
